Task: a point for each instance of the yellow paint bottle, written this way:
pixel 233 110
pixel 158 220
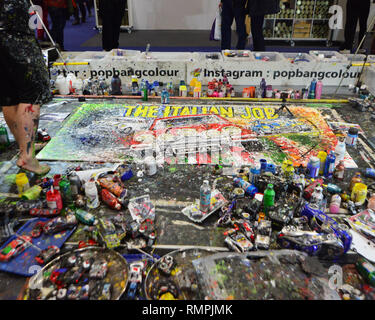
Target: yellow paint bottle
pixel 359 194
pixel 322 155
pixel 22 183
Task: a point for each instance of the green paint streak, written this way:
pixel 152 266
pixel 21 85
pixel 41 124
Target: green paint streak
pixel 305 140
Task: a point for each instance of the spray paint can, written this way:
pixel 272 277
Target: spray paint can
pixel 135 86
pixel 340 150
pixel 92 194
pixel 305 93
pixel 249 189
pixel 269 197
pixel 164 96
pixel 263 165
pixel 205 197
pixel 75 184
pixel 113 187
pixel 116 85
pixel 56 181
pixel 318 90
pixel 66 191
pixel 312 89
pixel 32 193
pixel 330 165
pixel 85 217
pixel 313 167
pixel 269 91
pixel 352 136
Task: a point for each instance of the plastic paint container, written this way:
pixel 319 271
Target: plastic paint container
pixel 351 138
pixel 22 183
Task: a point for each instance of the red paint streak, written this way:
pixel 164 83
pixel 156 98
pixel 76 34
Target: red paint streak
pixel 30 108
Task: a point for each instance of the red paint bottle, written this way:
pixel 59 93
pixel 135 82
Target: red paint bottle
pixel 109 199
pixel 54 200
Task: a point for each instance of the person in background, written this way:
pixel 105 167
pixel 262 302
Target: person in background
pixel 57 10
pixel 27 84
pixel 111 12
pixel 356 10
pixel 79 7
pixel 40 32
pixel 233 9
pixel 257 9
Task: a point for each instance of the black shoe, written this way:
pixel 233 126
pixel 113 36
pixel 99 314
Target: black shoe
pixel 83 20
pixel 75 23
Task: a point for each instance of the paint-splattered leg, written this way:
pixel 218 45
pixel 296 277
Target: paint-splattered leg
pixel 27 121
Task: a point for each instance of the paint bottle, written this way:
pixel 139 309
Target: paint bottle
pixel 252 92
pixel 263 165
pixel 313 167
pixel 113 187
pixel 367 270
pixel 75 184
pixel 249 189
pixel 269 197
pixel 263 88
pixel 22 183
pixel 62 85
pixel 109 199
pixel 183 91
pixel 289 172
pixel 32 193
pixel 66 191
pixel 198 91
pixel 164 96
pixel 305 93
pixel 317 196
pixel 371 202
pixel 4 137
pixel 70 78
pixel 144 93
pixel 85 217
pixel 56 181
pixel 334 206
pixel 116 85
pixel 210 89
pixel 135 86
pixel 340 150
pixel 297 95
pixel 340 170
pixel 370 173
pixel 254 172
pixel 150 166
pixel 312 89
pixel 78 86
pixel 318 90
pixel 91 194
pixel 359 194
pixel 322 155
pixel 205 197
pixel 54 200
pixel 330 165
pixel 245 93
pixel 356 179
pixel 269 92
pixel 352 136
pixel 333 188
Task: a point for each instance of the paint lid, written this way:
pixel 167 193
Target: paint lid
pixel 353 131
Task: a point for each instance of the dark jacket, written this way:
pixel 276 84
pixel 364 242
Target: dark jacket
pixel 262 7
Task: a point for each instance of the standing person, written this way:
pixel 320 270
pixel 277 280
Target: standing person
pixel 233 9
pixel 257 9
pixel 27 81
pixel 58 11
pixel 356 10
pixel 80 7
pixel 111 13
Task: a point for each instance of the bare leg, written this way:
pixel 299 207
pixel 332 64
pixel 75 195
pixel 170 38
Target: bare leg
pixel 24 121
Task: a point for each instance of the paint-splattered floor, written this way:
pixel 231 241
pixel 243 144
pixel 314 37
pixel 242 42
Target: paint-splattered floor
pixel 170 184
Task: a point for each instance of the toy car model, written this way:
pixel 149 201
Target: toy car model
pixel 262 242
pixel 311 242
pixel 47 254
pixel 73 292
pixel 98 270
pixel 44 212
pixel 37 229
pixel 166 264
pixel 265 228
pixel 15 247
pixel 238 242
pixel 323 223
pixel 163 287
pixel 58 277
pixel 107 232
pixel 60 224
pixel 281 216
pixel 43 136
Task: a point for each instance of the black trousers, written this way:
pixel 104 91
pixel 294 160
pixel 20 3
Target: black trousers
pixel 80 7
pixel 233 9
pixel 257 33
pixel 355 10
pixel 58 18
pixel 111 12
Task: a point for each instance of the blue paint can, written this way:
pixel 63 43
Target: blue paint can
pixel 352 136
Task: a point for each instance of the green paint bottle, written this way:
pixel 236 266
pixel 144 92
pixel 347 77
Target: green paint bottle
pixel 4 138
pixel 66 191
pixel 367 270
pixel 269 197
pixel 144 94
